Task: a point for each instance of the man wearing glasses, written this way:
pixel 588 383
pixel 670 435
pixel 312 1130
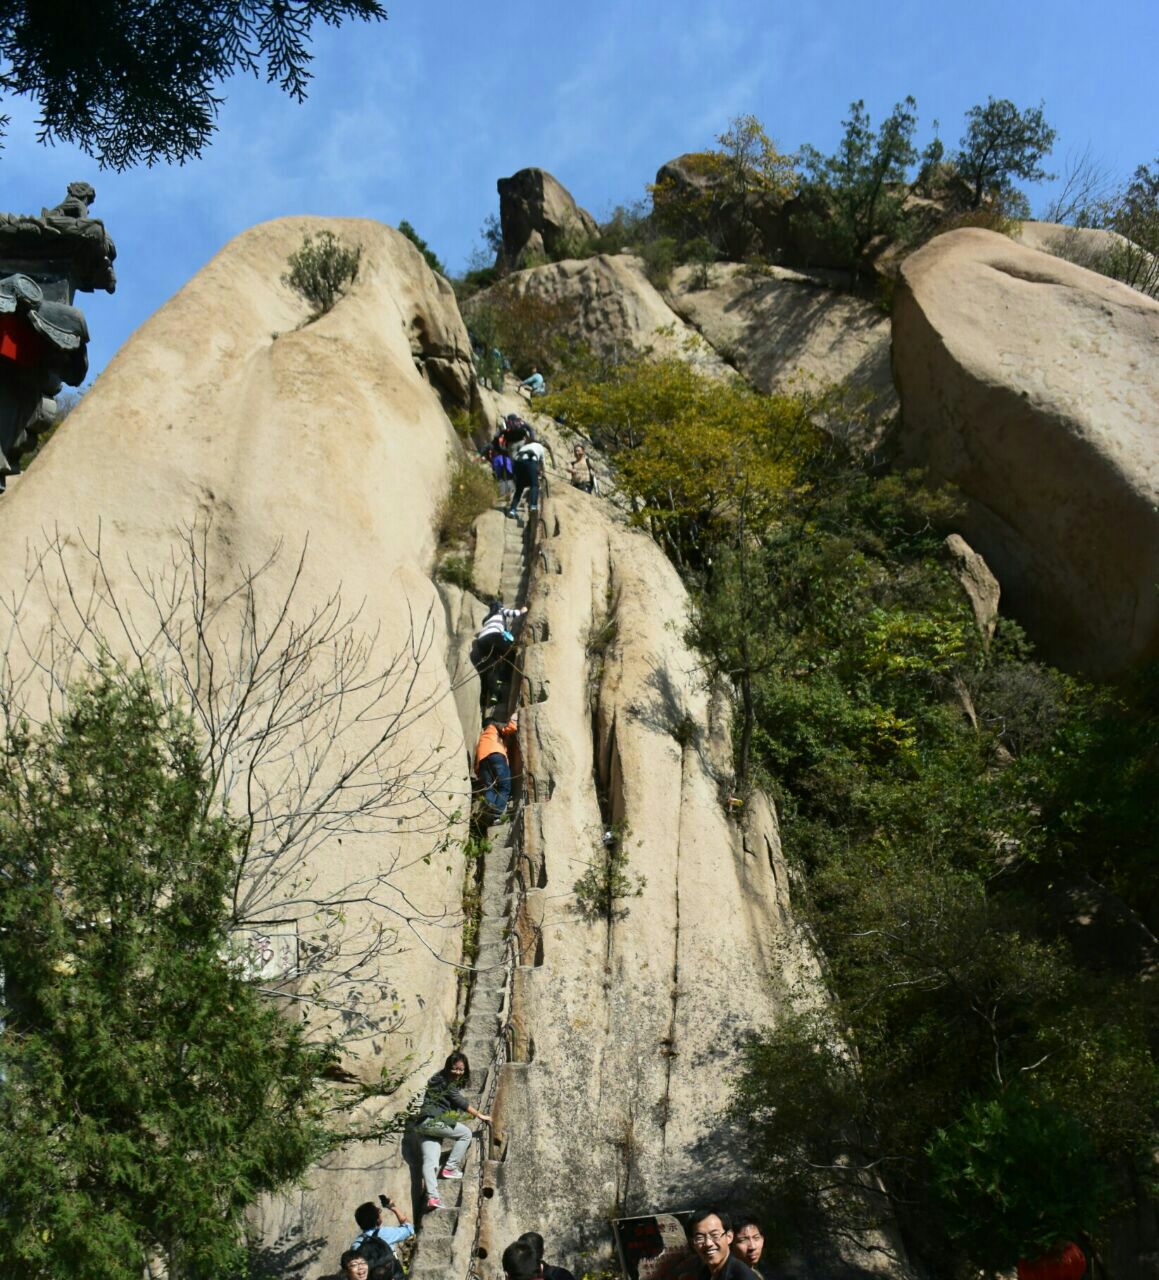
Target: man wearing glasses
pixel 710 1235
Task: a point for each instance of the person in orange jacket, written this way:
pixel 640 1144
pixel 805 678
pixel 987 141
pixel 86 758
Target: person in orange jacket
pixel 492 765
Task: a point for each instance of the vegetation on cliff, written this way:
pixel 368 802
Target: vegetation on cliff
pixel 943 795
pixel 183 993
pixel 875 198
pixel 151 1092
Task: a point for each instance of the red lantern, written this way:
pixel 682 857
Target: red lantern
pixel 1067 1262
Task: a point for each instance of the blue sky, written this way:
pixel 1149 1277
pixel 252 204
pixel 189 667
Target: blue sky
pixel 417 117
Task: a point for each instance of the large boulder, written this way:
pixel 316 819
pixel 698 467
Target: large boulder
pixel 228 413
pixel 1033 385
pixel 539 218
pixel 778 327
pixel 610 305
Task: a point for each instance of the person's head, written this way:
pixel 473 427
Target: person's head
pixel 535 1240
pixel 520 1261
pixel 375 1251
pixel 368 1215
pixel 457 1068
pixel 354 1265
pixel 579 451
pixel 710 1235
pixel 748 1240
pixel 494 606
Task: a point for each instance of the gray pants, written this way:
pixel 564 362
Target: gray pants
pixel 431 1137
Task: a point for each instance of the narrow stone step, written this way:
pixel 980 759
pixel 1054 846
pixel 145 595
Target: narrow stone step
pixel 481 1029
pixel 479 1049
pixel 487 1007
pixel 491 959
pixel 436 1270
pixel 439 1222
pixel 434 1253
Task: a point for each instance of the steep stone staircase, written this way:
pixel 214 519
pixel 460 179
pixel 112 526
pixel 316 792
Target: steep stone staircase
pixel 448 1236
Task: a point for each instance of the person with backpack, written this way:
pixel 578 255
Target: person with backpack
pixel 529 459
pixel 376 1241
pixel 516 432
pixel 491 648
pixel 500 462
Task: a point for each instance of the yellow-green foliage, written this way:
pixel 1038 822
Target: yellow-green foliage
pixel 472 491
pixel 702 460
pixel 746 163
pixel 527 328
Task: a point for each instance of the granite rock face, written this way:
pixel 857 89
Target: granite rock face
pixel 625 1025
pixel 537 215
pixel 980 585
pixel 227 413
pixel 1033 385
pixel 781 326
pixel 608 303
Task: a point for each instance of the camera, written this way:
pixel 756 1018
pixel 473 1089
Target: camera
pixel 384 1201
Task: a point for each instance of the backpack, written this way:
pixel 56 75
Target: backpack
pixel 379 1254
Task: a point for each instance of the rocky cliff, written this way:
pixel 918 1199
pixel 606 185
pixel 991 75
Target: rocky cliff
pixel 1031 383
pixel 320 451
pixel 233 445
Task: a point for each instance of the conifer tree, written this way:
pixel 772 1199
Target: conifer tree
pixel 150 1093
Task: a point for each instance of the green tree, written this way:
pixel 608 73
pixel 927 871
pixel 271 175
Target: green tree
pixel 150 1092
pixel 1002 143
pixel 861 188
pixel 1135 215
pixel 530 330
pixel 1017 1179
pixel 321 269
pixel 717 200
pixel 705 463
pixel 133 83
pixel 731 626
pixel 421 245
pixel 886 729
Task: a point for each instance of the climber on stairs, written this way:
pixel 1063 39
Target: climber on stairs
pixel 442 1114
pixel 493 763
pixel 534 384
pixel 528 461
pixel 491 648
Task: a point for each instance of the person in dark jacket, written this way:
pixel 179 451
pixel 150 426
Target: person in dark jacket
pixel 748 1241
pixel 546 1270
pixel 442 1115
pixel 520 1262
pixel 710 1235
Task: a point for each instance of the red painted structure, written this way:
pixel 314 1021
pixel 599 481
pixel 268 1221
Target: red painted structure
pixel 1068 1262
